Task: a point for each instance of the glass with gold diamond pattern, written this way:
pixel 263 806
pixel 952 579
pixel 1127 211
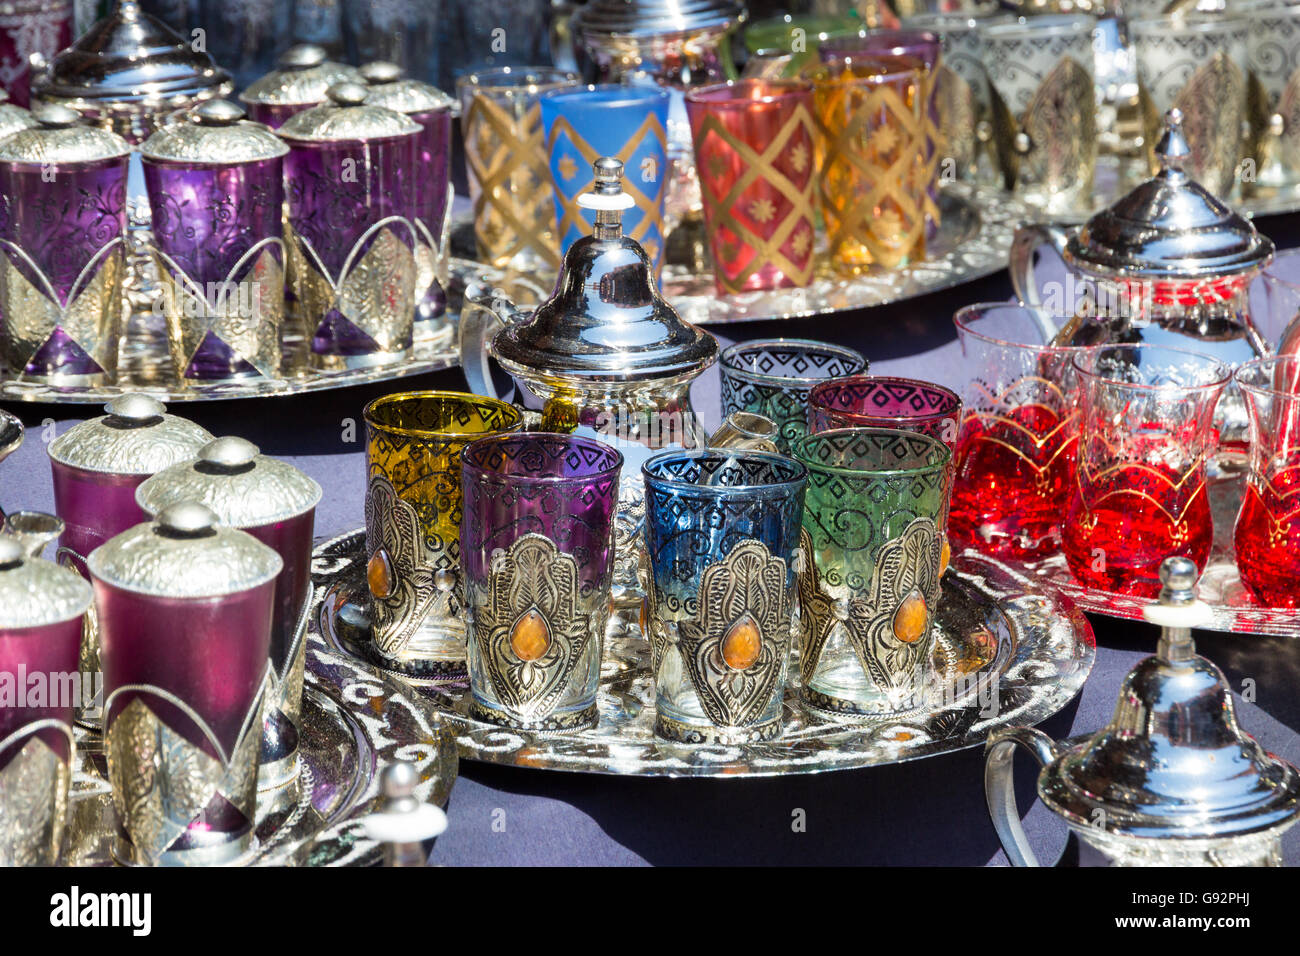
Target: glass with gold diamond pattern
pixel 1196 63
pixel 413 515
pixel 627 122
pixel 506 158
pixel 1044 107
pixel 873 557
pixel 537 555
pixel 722 533
pixel 874 172
pixel 754 142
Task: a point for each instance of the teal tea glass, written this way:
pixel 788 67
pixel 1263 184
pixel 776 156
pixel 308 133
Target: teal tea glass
pixel 629 123
pixel 722 530
pixel 536 547
pixel 872 518
pixel 774 377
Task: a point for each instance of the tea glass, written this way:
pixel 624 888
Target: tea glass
pixel 886 401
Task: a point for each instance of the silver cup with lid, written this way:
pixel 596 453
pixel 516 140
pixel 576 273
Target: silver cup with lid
pixel 351 240
pixel 98 465
pixel 1172 780
pixel 429 186
pixel 41 608
pixel 276 504
pixel 185 608
pixel 301 77
pixel 216 197
pixel 63 187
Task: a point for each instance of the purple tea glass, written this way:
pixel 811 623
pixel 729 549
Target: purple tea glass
pixel 217 234
pixel 63 239
pixel 885 401
pixel 185 610
pixel 537 556
pixel 925 48
pixel 352 243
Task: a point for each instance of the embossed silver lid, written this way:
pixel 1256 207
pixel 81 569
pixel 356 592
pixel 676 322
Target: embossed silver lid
pixel 606 321
pixel 59 136
pixel 389 87
pixel 302 77
pixel 213 133
pixel 185 552
pixel 13 118
pixel 245 489
pixel 130 56
pixel 35 592
pixel 1169 226
pixel 136 437
pixel 346 116
pixel 1173 762
pixel 647 18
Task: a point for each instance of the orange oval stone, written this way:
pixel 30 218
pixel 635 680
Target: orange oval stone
pixel 531 636
pixel 945 556
pixel 741 644
pixel 379 574
pixel 909 619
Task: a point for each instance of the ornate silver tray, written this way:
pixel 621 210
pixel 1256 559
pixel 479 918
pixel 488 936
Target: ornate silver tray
pixel 974 238
pixel 356 721
pixel 145 363
pixel 1231 605
pixel 1010 654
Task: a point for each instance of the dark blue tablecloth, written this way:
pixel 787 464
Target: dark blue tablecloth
pixel 925 812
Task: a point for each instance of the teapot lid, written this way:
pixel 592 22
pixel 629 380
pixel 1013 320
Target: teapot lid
pixel 388 86
pixel 347 116
pixel 606 321
pixel 1169 226
pixel 130 56
pixel 643 18
pixel 1173 762
pixel 58 135
pixel 214 132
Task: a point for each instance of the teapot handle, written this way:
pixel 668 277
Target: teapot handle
pixel 1025 243
pixel 999 786
pixel 485 312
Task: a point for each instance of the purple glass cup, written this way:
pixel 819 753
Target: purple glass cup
pixel 536 546
pixel 216 194
pixel 349 175
pixel 925 48
pixel 886 401
pixel 185 609
pixel 64 191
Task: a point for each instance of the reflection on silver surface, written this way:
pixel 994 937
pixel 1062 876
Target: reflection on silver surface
pixel 973 242
pixel 355 723
pixel 1232 608
pixel 1008 655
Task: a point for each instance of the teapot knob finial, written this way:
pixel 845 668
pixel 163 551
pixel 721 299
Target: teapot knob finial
pixel 1178 610
pixel 1172 149
pixel 607 198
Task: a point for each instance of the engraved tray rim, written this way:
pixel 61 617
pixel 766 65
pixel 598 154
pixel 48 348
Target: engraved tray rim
pixel 981 253
pixel 1220 573
pixel 349 686
pixel 1044 672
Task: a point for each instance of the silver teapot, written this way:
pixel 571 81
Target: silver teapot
pixel 606 356
pixel 1172 780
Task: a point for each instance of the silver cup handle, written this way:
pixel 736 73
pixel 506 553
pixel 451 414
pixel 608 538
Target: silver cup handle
pixel 999 786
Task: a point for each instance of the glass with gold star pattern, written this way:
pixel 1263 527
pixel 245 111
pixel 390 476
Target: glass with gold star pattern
pixel 627 122
pixel 874 181
pixel 754 144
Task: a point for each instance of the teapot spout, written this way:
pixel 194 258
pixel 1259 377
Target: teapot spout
pixel 745 430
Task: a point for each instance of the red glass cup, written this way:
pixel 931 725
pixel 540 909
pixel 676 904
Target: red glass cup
pixel 1019 433
pixel 886 401
pixel 754 142
pixel 1146 435
pixel 1267 535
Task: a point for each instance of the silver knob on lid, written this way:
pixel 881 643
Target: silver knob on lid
pixel 218 113
pixel 135 408
pixel 607 198
pixel 347 93
pixel 301 57
pixel 229 452
pixel 187 519
pixel 397 784
pixel 1172 148
pixel 609 175
pixel 54 116
pixel 380 72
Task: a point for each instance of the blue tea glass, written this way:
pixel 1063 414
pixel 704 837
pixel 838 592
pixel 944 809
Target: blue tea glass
pixel 630 123
pixel 722 530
